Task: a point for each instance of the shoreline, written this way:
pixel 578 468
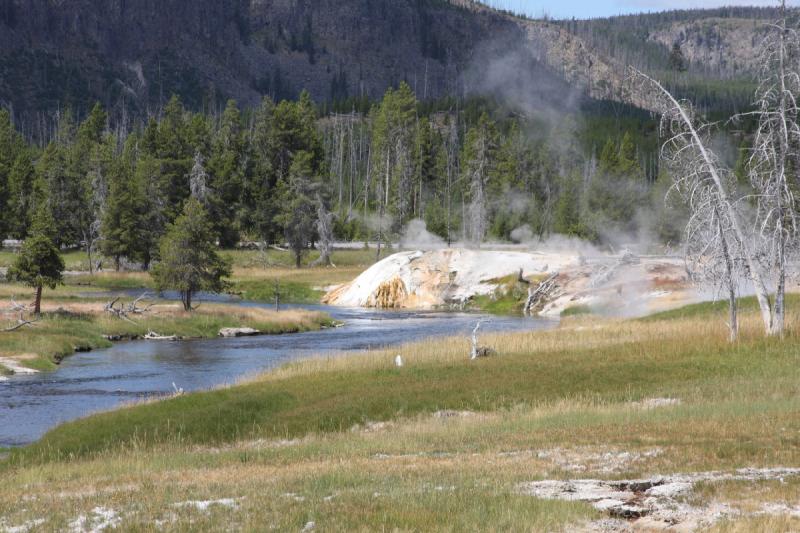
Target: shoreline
pixel 68 327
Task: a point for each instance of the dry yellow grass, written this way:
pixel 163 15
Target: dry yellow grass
pixel 575 333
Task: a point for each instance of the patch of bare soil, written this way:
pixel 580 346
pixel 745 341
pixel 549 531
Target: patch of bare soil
pixel 585 459
pixel 655 503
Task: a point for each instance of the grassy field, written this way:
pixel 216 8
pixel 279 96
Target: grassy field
pixel 256 275
pixel 354 443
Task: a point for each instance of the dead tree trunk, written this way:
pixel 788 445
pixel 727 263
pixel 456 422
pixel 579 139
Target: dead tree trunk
pixel 325 231
pixel 710 167
pixel 37 306
pixel 733 320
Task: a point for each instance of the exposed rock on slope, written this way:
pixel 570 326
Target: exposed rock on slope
pixel 620 286
pixel 727 46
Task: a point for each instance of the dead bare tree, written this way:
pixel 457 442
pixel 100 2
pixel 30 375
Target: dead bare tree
pixel 701 177
pixel 324 225
pixel 714 256
pixel 775 154
pixel 133 307
pixel 21 322
pixel 451 149
pixel 123 312
pixel 198 179
pixel 478 351
pixel 477 174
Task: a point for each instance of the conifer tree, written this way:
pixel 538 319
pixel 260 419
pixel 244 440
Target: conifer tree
pixel 189 261
pixel 39 263
pixel 20 195
pixel 226 166
pixel 123 220
pixel 261 178
pixel 11 146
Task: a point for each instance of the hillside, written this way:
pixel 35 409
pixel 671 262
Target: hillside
pixel 125 53
pixel 718 49
pixel 134 55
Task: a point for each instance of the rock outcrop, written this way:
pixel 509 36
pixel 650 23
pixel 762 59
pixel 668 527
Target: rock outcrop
pixel 229 333
pixel 615 285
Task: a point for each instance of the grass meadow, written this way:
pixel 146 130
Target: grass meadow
pixel 355 443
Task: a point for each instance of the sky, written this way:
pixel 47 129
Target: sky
pixel 604 8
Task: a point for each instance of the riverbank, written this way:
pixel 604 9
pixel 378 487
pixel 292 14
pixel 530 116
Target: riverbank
pixel 443 443
pixel 69 325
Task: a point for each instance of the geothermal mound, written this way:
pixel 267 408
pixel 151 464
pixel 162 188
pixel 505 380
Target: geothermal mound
pixel 617 285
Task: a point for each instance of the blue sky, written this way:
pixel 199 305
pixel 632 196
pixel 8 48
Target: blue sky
pixel 602 8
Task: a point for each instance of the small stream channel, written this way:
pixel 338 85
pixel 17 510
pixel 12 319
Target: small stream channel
pixel 132 371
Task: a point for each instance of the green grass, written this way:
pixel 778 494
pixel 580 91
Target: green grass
pixel 122 281
pixel 576 310
pixel 264 290
pixel 73 260
pixel 272 258
pixel 334 401
pixel 714 310
pixel 508 299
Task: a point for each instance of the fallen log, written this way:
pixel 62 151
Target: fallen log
pixel 153 336
pixel 21 324
pixel 537 295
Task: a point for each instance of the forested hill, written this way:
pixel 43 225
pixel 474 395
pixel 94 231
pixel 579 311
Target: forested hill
pixel 134 55
pixel 140 52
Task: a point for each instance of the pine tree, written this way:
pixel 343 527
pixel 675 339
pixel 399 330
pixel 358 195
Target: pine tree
pixel 39 263
pixel 261 176
pixel 20 195
pixel 174 154
pixel 677 61
pixel 123 231
pixel 627 163
pixel 189 261
pixel 567 217
pixel 424 165
pixel 153 211
pixel 61 191
pixel 609 157
pixel 226 165
pixel 11 146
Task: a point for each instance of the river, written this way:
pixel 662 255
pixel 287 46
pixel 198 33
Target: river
pixel 133 371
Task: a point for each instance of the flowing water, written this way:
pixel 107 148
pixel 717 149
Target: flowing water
pixel 132 371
